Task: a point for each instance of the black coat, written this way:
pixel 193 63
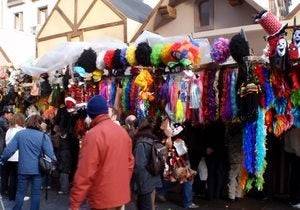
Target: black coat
pixel 144 182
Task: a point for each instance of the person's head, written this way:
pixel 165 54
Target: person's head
pixel 8 113
pixel 17 120
pixel 131 122
pixel 34 122
pixel 97 106
pixel 147 124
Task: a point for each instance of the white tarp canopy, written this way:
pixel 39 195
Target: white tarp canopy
pixel 18 46
pixel 67 53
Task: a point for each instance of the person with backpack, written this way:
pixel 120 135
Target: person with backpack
pixel 149 165
pixel 32 143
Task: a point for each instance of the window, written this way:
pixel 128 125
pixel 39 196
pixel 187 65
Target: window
pixel 42 15
pixel 19 21
pixel 204 15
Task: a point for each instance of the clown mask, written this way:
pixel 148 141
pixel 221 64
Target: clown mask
pixel 296 38
pixel 281 47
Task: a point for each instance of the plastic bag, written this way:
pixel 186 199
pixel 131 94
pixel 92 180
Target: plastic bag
pixel 202 170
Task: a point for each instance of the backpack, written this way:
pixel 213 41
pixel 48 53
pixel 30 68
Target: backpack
pixel 156 164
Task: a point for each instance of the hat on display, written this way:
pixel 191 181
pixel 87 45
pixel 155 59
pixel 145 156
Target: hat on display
pixel 97 106
pixel 70 104
pixel 270 23
pixel 81 71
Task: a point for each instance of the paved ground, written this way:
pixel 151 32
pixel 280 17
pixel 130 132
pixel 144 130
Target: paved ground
pixel 56 202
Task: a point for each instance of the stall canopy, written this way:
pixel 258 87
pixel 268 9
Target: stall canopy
pixel 16 48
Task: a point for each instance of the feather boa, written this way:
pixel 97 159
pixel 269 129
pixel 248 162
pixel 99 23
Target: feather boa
pixel 280 105
pixel 142 109
pixel 133 97
pixel 126 87
pixel 225 111
pixel 296 115
pixel 269 93
pixel 113 91
pixel 233 93
pixel 260 146
pixel 194 95
pixel 249 132
pixel 200 85
pixel 295 98
pixel 209 96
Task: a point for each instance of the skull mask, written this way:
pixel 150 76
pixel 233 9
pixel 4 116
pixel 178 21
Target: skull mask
pixel 281 47
pixel 296 38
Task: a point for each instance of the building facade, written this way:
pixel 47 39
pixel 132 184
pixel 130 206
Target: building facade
pixel 25 15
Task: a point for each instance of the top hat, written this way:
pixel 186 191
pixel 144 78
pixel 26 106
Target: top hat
pixel 270 23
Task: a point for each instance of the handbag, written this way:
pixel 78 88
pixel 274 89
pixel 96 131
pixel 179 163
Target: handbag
pixel 45 163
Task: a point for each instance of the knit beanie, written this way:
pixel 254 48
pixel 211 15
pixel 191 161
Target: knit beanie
pixel 97 106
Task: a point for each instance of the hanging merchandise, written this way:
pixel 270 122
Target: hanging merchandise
pixel 220 50
pixel 126 87
pixel 294 47
pixel 155 56
pixel 87 60
pixel 108 59
pixel 142 54
pixel 130 55
pixel 144 80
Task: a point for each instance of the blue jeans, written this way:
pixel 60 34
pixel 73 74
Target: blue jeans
pixel 187 188
pixel 23 181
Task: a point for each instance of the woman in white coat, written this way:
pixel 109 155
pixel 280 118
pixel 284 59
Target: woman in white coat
pixel 16 124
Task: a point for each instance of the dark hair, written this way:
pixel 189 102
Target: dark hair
pixel 34 122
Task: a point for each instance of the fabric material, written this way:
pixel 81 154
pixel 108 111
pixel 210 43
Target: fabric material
pixel 117 208
pixel 234 189
pixel 146 201
pixel 35 182
pixel 97 106
pixel 105 166
pixel 187 191
pixel 29 143
pixel 64 182
pixel 144 182
pixel 9 136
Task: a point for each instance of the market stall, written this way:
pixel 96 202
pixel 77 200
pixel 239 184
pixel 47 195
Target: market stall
pixel 152 77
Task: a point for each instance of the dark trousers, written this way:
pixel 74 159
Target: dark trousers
pixel 146 201
pixel 294 182
pixel 4 179
pixel 36 183
pixel 216 177
pixel 12 171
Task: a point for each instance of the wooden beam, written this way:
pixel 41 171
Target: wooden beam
pixel 75 13
pixel 46 38
pixel 5 55
pixel 48 18
pixel 167 12
pixel 125 31
pixel 106 25
pixel 235 2
pixel 154 11
pixel 69 22
pixel 115 10
pixel 86 14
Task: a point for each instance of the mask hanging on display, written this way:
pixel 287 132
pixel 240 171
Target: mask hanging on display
pixel 280 61
pixel 294 48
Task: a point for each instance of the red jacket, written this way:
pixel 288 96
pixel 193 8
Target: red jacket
pixel 105 167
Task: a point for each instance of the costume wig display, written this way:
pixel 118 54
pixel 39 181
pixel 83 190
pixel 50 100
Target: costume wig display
pixel 220 50
pixel 155 56
pixel 87 60
pixel 130 55
pixel 109 58
pixel 142 54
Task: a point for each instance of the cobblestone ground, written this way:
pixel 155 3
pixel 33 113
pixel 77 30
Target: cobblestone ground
pixel 58 202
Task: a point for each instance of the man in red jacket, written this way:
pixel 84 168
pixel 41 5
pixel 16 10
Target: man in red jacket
pixel 105 162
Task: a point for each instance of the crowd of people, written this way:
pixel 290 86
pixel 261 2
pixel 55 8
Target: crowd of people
pixel 120 161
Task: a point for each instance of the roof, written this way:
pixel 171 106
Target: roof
pixel 134 9
pixel 293 12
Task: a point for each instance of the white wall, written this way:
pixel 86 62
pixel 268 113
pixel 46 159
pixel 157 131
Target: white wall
pixel 30 13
